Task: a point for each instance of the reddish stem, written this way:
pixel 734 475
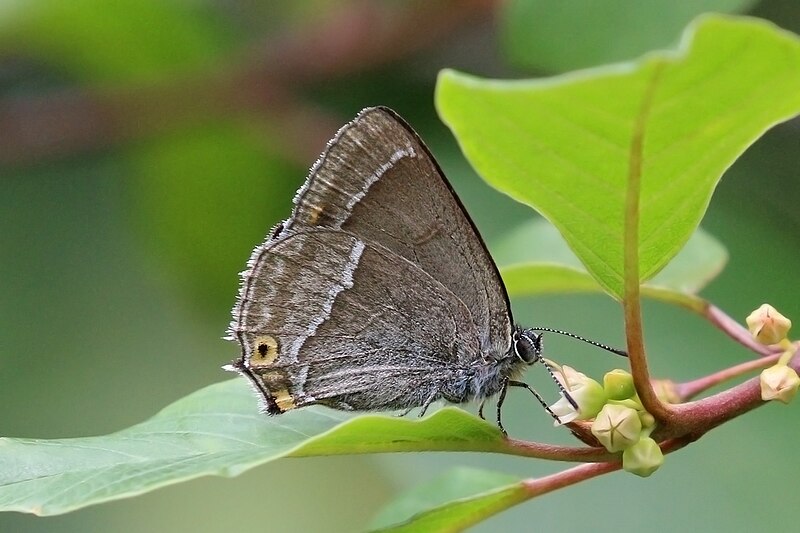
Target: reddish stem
pixel 699 417
pixel 557 453
pixel 571 476
pixel 632 301
pixel 691 389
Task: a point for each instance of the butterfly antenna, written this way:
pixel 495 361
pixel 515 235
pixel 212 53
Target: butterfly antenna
pixel 605 347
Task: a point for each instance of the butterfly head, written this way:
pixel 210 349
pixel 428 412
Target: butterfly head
pixel 527 346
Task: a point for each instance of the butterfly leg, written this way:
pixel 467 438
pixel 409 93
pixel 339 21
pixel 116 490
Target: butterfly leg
pixel 500 401
pixel 405 412
pixel 522 384
pixel 480 409
pixel 431 398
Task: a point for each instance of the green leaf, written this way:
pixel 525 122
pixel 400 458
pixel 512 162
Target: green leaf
pixel 449 428
pixel 456 500
pixel 215 431
pixel 565 145
pixel 557 36
pixel 540 262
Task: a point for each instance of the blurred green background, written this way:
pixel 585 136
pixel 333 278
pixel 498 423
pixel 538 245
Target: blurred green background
pixel 147 145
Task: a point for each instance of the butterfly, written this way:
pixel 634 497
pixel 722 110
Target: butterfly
pixel 378 293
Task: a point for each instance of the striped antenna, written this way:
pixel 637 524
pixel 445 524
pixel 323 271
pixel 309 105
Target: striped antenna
pixel 561 388
pixel 606 347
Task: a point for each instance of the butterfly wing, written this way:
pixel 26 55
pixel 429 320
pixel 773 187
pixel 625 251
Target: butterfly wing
pixel 328 318
pixel 378 291
pixel 378 181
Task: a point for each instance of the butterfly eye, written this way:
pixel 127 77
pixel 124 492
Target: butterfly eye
pixel 266 350
pixel 528 347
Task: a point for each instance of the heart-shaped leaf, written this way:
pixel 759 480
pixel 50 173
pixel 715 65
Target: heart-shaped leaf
pixel 664 128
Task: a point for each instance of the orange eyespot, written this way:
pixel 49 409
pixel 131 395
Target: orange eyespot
pixel 265 350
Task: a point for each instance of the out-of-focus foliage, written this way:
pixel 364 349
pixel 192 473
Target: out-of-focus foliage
pixel 125 41
pixel 205 195
pixel 558 36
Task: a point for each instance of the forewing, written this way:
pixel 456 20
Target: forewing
pixel 325 317
pixel 378 181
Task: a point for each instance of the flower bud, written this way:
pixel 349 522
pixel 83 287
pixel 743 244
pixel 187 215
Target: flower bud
pixel 617 427
pixel 565 411
pixel 643 458
pixel 634 403
pixel 780 383
pixel 587 393
pixel 647 419
pixel 618 384
pixel 767 325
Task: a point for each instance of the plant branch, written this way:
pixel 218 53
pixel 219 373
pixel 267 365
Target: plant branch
pixel 690 389
pixel 552 452
pixel 534 487
pixel 698 417
pixel 539 486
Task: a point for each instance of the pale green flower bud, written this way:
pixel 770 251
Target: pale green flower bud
pixel 780 383
pixel 618 384
pixel 565 412
pixel 647 419
pixel 643 458
pixel 767 325
pixel 617 427
pixel 633 403
pixel 587 393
